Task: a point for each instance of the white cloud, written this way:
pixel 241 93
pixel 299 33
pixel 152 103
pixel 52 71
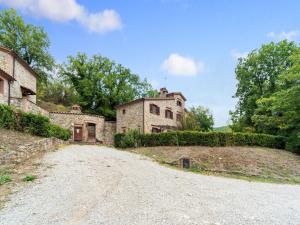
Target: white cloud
pixel 237 55
pixel 67 10
pixel 179 65
pixel 290 35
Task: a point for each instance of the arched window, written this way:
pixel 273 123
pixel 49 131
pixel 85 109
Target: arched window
pixel 179 103
pixel 154 109
pixel 169 114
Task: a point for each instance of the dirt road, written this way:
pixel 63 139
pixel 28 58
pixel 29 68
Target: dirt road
pixel 90 185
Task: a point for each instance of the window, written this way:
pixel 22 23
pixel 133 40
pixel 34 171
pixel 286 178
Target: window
pixel 1 86
pixel 154 109
pixel 169 114
pixel 178 117
pixel 179 103
pixel 124 111
pixel 156 130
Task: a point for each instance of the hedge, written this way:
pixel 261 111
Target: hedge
pixel 190 138
pixel 30 123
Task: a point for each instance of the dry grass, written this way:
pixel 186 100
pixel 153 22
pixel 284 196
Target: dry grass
pixel 262 163
pixel 9 139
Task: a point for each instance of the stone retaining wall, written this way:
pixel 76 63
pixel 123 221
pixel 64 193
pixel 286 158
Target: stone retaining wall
pixel 25 152
pixel 28 106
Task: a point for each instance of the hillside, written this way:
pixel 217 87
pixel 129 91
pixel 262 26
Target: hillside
pixel 51 107
pixel 257 163
pixel 223 129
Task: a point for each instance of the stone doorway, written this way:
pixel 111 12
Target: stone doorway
pixel 91 128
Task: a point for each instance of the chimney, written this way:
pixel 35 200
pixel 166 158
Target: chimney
pixel 76 109
pixel 163 92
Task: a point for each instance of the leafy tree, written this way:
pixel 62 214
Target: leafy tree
pixel 30 42
pixel 280 113
pixel 59 92
pixel 198 119
pixel 102 84
pixel 189 122
pixel 257 77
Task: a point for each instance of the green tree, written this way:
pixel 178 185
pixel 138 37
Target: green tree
pixel 198 119
pixel 257 77
pixel 59 92
pixel 280 113
pixel 102 84
pixel 30 42
pixel 189 122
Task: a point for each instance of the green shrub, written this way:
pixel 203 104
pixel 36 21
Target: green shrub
pixel 34 124
pixel 189 138
pixel 30 123
pixel 7 117
pixel 59 132
pixel 129 139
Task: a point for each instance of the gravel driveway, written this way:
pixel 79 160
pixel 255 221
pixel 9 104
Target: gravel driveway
pixel 89 185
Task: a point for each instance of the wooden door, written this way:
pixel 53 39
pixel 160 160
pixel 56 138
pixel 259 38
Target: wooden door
pixel 77 133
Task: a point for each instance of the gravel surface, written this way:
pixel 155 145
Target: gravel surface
pixel 90 185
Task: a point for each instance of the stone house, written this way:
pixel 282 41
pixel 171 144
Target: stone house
pixel 18 82
pixel 85 127
pixel 152 114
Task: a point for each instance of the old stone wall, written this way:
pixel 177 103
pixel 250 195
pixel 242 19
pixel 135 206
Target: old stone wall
pixel 4 96
pixel 24 152
pixel 23 78
pixel 70 120
pixel 131 118
pixel 109 132
pixel 27 106
pixel 6 62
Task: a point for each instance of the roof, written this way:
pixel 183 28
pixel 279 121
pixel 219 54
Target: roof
pixel 144 99
pixel 6 75
pixel 73 113
pixel 27 91
pixel 176 93
pixel 20 60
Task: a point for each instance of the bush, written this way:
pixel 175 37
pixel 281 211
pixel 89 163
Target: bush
pixel 189 138
pixel 130 139
pixel 7 117
pixel 58 132
pixel 34 124
pixel 30 123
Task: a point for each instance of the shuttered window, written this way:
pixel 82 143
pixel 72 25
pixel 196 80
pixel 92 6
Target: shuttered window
pixel 154 109
pixel 169 114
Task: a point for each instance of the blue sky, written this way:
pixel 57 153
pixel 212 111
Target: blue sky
pixel 190 46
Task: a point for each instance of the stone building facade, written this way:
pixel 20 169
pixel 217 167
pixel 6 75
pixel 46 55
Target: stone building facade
pixel 85 127
pixel 156 114
pixel 17 81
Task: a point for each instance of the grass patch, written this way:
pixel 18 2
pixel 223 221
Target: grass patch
pixel 29 178
pixel 5 179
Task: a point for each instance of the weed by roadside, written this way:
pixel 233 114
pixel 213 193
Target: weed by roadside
pixel 5 179
pixel 29 178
